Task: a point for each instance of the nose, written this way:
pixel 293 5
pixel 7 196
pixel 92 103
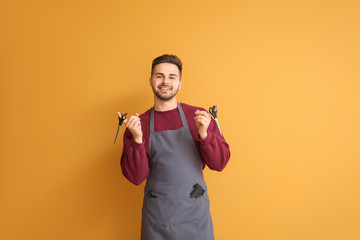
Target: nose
pixel 166 80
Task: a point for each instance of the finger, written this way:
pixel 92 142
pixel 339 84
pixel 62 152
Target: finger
pixel 203 113
pixel 132 118
pixel 137 116
pixel 205 124
pixel 216 107
pixel 205 121
pixel 129 122
pixel 132 122
pixel 119 114
pixel 135 123
pixel 201 117
pixel 130 125
pixel 202 120
pixel 205 116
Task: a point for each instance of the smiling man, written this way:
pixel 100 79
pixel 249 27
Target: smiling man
pixel 169 145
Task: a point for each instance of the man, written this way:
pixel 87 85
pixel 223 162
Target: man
pixel 169 145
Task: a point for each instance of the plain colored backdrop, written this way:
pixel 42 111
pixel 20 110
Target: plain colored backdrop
pixel 286 77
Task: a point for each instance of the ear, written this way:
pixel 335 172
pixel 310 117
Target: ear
pixel 180 84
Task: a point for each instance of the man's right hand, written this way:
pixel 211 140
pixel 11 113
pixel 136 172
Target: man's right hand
pixel 134 125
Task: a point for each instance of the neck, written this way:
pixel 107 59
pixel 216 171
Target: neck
pixel 162 106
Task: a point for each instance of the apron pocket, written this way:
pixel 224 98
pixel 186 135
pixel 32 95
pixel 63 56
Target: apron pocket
pixel 191 210
pixel 158 210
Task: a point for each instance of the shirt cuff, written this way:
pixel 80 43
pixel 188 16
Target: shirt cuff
pixel 207 140
pixel 137 146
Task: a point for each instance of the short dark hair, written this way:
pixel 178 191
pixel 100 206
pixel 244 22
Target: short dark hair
pixel 167 58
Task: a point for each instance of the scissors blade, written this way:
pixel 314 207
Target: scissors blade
pixel 121 120
pixel 217 122
pixel 117 132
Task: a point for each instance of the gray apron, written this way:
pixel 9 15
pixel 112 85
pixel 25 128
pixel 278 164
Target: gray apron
pixel 168 212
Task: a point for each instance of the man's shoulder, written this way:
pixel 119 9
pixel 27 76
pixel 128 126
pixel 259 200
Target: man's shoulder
pixel 191 108
pixel 145 115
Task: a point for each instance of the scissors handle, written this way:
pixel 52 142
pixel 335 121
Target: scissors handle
pixel 213 112
pixel 122 118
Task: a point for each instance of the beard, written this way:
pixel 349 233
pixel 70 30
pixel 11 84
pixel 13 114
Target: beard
pixel 165 96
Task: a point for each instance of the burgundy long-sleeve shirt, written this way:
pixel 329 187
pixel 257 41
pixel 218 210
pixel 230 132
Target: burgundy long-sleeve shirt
pixel 214 150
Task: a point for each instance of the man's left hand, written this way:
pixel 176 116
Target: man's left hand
pixel 202 119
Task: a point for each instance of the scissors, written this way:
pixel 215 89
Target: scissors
pixel 121 120
pixel 213 112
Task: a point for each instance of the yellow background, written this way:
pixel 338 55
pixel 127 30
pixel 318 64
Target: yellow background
pixel 286 77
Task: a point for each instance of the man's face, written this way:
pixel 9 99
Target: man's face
pixel 165 81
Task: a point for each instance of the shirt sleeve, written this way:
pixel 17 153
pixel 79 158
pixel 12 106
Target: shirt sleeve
pixel 134 160
pixel 214 150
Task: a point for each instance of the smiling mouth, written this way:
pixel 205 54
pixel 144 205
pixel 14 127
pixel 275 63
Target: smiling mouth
pixel 163 88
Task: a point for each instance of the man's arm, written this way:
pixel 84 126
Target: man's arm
pixel 214 150
pixel 134 160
